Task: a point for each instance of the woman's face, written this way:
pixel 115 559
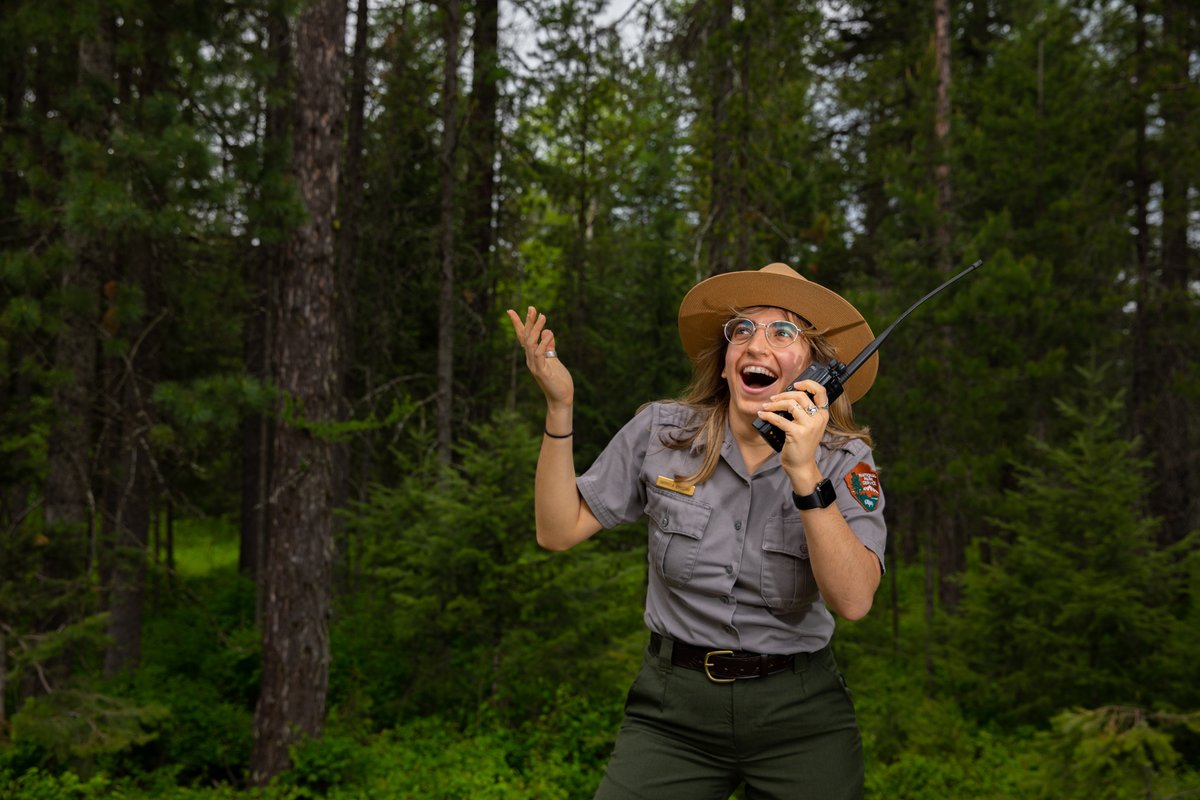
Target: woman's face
pixel 755 370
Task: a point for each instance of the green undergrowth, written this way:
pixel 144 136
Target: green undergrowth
pixel 188 711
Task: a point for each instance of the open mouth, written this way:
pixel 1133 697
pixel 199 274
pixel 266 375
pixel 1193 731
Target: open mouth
pixel 755 377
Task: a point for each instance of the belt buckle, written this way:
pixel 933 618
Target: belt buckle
pixel 708 665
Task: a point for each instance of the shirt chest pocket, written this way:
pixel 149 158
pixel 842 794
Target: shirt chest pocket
pixel 677 527
pixel 788 583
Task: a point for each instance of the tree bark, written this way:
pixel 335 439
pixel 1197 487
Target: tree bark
pixel 951 556
pixel 15 386
pixel 298 575
pixel 742 202
pixel 258 430
pixel 482 136
pixel 721 189
pixel 137 371
pixel 257 427
pixel 69 503
pixel 349 203
pixel 1166 410
pixel 448 294
pixel 941 134
pixel 3 685
pixel 127 489
pixel 581 239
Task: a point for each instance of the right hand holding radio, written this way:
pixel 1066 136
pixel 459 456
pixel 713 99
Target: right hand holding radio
pixel 800 413
pixel 826 377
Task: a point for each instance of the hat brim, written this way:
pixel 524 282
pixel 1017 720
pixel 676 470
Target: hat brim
pixel 705 309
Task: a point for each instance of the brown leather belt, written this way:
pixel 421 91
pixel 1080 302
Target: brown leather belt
pixel 723 666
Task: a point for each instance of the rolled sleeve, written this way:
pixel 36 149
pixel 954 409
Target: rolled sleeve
pixel 862 510
pixel 611 486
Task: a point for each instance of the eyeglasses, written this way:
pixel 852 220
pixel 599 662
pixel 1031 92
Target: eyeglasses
pixel 780 333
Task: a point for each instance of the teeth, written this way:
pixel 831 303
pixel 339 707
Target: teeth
pixel 757 370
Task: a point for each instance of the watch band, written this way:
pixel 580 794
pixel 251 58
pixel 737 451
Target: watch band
pixel 822 497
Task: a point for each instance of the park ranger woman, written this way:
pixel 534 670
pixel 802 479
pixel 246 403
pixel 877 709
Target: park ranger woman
pixel 749 550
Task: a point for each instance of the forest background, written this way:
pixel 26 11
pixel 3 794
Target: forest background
pixel 268 444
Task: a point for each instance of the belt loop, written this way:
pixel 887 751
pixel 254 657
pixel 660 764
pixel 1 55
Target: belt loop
pixel 665 652
pixel 666 647
pixel 800 665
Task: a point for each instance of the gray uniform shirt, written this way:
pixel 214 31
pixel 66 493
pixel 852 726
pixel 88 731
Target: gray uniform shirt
pixel 729 564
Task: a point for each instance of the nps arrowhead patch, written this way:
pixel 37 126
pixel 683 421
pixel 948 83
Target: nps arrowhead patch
pixel 863 483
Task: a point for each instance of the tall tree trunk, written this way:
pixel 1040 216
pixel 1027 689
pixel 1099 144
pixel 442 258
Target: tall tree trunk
pixel 130 482
pixel 15 387
pixel 742 147
pixel 1144 370
pixel 69 504
pixel 1141 201
pixel 941 135
pixel 257 427
pixel 448 294
pixel 581 239
pixel 138 371
pixel 298 575
pixel 349 202
pixel 128 485
pixel 258 430
pixel 951 554
pixel 479 218
pixel 1166 408
pixel 3 684
pixel 721 190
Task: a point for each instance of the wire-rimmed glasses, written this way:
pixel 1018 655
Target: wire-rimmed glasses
pixel 779 333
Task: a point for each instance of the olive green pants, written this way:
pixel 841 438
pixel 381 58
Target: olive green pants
pixel 790 735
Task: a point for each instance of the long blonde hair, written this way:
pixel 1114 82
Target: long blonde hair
pixel 708 396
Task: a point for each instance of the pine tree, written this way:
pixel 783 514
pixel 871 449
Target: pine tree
pixel 298 575
pixel 1074 607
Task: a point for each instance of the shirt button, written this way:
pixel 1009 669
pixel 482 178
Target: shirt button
pixel 728 569
pixel 737 526
pixel 665 520
pixel 725 599
pixel 729 629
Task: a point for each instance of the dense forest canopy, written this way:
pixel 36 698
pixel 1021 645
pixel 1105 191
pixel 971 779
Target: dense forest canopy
pixel 267 444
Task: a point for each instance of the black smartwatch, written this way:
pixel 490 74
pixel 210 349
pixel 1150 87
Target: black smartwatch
pixel 822 497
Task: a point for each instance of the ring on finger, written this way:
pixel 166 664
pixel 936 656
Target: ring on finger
pixel 824 406
pixel 810 410
pixel 551 354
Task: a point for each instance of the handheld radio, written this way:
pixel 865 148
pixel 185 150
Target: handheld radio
pixel 834 374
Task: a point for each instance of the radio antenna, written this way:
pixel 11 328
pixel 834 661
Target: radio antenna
pixel 834 374
pixel 870 349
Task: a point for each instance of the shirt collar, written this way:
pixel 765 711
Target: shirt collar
pixel 733 457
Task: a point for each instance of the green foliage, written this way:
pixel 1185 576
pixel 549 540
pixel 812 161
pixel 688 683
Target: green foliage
pixel 432 758
pixel 456 575
pixel 207 547
pixel 319 765
pixel 38 785
pixel 77 724
pixel 202 665
pixel 75 642
pixel 1117 753
pixel 1074 607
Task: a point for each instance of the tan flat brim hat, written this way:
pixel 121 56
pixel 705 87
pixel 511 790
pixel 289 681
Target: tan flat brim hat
pixel 706 308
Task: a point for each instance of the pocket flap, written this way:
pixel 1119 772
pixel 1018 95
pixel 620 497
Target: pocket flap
pixel 673 513
pixel 785 534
